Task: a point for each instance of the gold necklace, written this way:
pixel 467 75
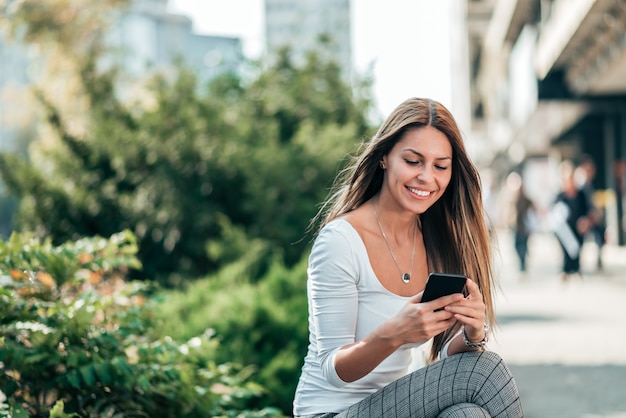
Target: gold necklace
pixel 406 277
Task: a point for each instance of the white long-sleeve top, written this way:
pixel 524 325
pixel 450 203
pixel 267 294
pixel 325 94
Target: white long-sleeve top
pixel 346 303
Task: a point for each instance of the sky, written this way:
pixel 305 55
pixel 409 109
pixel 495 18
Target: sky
pixel 404 40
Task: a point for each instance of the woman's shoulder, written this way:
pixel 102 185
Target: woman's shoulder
pixel 336 242
pixel 338 226
pixel 347 228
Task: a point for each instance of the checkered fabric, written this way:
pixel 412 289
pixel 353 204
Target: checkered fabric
pixel 471 385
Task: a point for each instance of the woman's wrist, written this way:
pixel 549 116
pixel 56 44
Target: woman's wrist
pixel 384 336
pixel 473 343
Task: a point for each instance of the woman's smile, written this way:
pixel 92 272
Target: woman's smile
pixel 419 192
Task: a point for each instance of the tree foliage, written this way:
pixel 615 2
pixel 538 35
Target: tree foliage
pixel 181 171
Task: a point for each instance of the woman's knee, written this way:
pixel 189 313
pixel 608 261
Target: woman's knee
pixel 479 375
pixel 484 360
pixel 492 386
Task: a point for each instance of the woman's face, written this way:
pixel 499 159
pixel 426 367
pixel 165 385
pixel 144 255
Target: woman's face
pixel 419 168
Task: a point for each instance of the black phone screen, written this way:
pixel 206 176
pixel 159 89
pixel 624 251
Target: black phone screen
pixel 442 284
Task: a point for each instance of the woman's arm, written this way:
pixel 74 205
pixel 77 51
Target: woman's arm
pixel 415 322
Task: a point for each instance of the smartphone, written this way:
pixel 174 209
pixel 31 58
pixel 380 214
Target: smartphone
pixel 442 284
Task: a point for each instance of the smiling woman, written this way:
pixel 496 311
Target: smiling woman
pixel 409 205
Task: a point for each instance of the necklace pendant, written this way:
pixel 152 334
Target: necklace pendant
pixel 406 277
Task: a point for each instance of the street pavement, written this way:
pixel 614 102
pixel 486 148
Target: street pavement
pixel 565 342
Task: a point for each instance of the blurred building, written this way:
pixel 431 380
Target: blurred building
pixel 147 39
pixel 150 38
pixel 549 83
pixel 300 24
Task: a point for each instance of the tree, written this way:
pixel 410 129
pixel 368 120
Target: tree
pixel 189 166
pixel 297 126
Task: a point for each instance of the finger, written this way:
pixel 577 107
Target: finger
pixel 469 307
pixel 444 301
pixel 442 324
pixel 466 309
pixel 469 317
pixel 473 289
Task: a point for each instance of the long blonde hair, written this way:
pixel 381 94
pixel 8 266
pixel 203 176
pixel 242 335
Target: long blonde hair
pixel 455 232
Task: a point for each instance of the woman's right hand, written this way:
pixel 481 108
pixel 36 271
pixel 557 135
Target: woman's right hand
pixel 417 322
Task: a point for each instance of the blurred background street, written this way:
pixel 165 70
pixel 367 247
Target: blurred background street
pixel 564 341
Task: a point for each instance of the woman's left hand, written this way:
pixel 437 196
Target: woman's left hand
pixel 470 311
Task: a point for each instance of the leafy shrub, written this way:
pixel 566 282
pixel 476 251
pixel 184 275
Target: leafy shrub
pixel 261 322
pixel 77 340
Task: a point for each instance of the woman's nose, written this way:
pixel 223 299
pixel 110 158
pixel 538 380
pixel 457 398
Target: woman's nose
pixel 425 173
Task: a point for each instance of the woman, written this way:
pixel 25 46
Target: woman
pixel 409 205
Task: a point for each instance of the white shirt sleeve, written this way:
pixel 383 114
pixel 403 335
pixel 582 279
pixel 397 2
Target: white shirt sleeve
pixel 333 298
pixel 444 350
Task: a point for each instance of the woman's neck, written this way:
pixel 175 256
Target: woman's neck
pixel 396 221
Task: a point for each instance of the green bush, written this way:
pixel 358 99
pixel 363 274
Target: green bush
pixel 260 322
pixel 78 340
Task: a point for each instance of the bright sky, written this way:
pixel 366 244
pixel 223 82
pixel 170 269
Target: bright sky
pixel 407 41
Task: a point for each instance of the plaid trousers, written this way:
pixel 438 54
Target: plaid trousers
pixel 475 384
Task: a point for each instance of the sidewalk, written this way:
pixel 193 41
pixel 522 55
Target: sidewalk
pixel 565 342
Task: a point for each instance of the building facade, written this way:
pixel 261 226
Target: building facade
pixel 146 38
pixel 549 84
pixel 300 24
pixel 149 38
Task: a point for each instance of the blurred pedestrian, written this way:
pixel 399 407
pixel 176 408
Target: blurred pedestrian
pixel 597 218
pixel 524 220
pixel 410 204
pixel 569 220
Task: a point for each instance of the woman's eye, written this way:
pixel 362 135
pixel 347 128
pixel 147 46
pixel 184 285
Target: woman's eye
pixel 411 162
pixel 441 167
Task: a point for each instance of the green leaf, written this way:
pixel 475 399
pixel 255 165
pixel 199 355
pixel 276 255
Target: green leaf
pixel 143 382
pixel 36 358
pixel 88 375
pixel 58 411
pixel 103 372
pixel 73 378
pixel 73 359
pixel 121 366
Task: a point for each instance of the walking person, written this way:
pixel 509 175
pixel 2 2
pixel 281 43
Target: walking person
pixel 524 219
pixel 410 204
pixel 596 215
pixel 570 221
